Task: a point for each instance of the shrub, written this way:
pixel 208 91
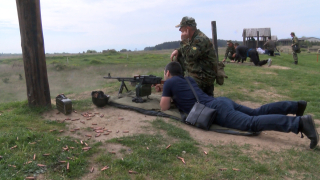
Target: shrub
pixel 5 80
pixel 95 62
pixel 91 51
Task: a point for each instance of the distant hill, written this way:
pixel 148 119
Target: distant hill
pixel 176 44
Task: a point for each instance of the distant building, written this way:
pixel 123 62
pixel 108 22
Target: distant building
pixel 274 38
pixel 288 41
pixel 255 37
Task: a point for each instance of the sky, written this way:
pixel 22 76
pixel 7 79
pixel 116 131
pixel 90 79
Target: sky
pixel 75 26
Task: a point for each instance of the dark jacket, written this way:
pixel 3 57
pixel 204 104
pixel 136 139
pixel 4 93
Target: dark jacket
pixel 241 51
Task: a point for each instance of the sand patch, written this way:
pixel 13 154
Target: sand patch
pixel 277 67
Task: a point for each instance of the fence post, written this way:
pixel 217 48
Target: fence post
pixel 34 59
pixel 214 37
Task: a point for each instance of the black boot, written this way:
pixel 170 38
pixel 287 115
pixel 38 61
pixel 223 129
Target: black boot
pixel 307 127
pixel 296 63
pixel 302 105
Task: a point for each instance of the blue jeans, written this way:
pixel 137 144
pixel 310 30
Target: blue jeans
pixel 268 117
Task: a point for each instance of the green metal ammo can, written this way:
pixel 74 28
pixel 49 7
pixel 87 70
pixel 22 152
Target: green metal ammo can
pixel 143 90
pixel 63 104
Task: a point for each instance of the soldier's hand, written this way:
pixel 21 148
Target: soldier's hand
pixel 234 55
pixel 175 53
pixel 184 35
pixel 223 60
pixel 159 87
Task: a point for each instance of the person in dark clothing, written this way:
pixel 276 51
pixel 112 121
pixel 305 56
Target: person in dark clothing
pixel 271 116
pixel 270 46
pixel 243 52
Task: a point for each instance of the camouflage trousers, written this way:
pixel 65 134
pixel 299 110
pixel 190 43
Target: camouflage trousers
pixel 208 89
pixel 230 56
pixel 295 56
pixel 205 86
pixel 237 58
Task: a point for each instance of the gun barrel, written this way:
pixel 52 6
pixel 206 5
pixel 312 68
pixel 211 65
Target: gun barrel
pixel 143 79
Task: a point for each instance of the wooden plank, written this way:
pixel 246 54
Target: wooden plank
pixel 32 45
pixel 244 37
pixel 258 38
pixel 214 37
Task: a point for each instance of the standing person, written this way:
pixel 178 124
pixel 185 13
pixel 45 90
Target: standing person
pixel 270 46
pixel 230 51
pixel 271 116
pixel 295 43
pixel 243 52
pixel 196 55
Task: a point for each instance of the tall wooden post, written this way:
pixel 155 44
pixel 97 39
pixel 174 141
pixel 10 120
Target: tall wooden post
pixel 34 59
pixel 258 38
pixel 214 37
pixel 244 35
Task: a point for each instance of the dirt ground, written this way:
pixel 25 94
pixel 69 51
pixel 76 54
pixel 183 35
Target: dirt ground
pixel 119 123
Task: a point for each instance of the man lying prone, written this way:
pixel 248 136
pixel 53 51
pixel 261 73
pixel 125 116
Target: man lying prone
pixel 271 116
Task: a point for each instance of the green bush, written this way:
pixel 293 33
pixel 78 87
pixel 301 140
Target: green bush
pixel 95 62
pixel 5 80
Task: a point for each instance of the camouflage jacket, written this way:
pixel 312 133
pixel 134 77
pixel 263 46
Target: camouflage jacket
pixel 199 58
pixel 295 41
pixel 270 45
pixel 230 50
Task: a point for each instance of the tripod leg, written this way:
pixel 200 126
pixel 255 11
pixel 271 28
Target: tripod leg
pixel 121 88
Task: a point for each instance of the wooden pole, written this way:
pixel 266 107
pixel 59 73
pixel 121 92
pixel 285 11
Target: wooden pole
pixel 244 35
pixel 257 39
pixel 214 37
pixel 34 59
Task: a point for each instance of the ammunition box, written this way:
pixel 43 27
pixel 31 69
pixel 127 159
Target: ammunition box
pixel 143 90
pixel 63 104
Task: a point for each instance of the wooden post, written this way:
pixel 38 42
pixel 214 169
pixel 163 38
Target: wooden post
pixel 214 37
pixel 34 59
pixel 257 39
pixel 244 35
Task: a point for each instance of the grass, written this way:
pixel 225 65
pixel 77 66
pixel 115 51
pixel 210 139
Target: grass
pixel 23 126
pixel 23 134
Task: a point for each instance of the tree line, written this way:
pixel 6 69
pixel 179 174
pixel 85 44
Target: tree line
pixel 176 44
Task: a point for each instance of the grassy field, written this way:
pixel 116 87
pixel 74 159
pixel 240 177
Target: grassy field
pixel 24 133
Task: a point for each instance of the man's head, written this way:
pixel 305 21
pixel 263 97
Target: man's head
pixel 292 34
pixel 187 23
pixel 229 43
pixel 236 45
pixel 172 69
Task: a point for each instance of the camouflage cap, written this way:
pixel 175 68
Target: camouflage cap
pixel 228 42
pixel 187 21
pixel 292 33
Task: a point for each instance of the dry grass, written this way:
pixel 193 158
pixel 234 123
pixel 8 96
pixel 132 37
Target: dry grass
pixel 70 80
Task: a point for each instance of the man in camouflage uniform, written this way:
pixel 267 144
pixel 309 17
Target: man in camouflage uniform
pixel 270 46
pixel 230 52
pixel 295 42
pixel 196 55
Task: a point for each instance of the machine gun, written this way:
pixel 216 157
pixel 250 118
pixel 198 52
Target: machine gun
pixel 143 88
